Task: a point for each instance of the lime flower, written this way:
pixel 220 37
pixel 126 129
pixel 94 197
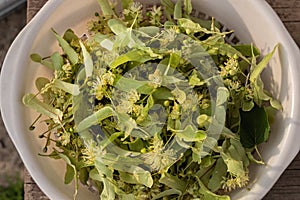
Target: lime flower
pixel 133 96
pixel 126 101
pixel 159 158
pixel 176 111
pixel 91 151
pixel 155 78
pixel 65 138
pixel 108 78
pixel 230 69
pixel 233 182
pixel 249 94
pixel 101 83
pixel 179 95
pixel 204 103
pixel 168 35
pixel 99 88
pixel 155 15
pixel 191 103
pixel 133 14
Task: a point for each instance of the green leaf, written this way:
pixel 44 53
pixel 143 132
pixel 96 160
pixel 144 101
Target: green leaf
pixel 67 87
pixel 256 71
pixel 37 58
pixel 188 8
pixel 235 167
pixel 247 50
pixel 261 95
pixel 167 193
pixel 41 82
pixel 149 105
pixel 247 105
pixel 254 160
pixel 178 10
pixel 69 175
pixel 108 191
pixel 169 7
pixel 32 102
pixel 190 134
pixel 276 104
pixel 173 182
pixel 128 84
pixel 194 80
pixel 254 128
pixel 179 95
pixel 208 195
pixel 223 48
pixel 162 93
pixel 105 7
pixel 94 175
pixel 88 61
pixel 99 38
pixel 144 178
pixel 150 31
pixel 69 51
pixel 127 124
pixel 218 174
pixel 237 151
pixel 117 26
pixel 103 170
pixel 124 196
pixel 191 27
pixel 131 56
pixel 70 36
pixel 222 96
pixel 128 178
pixel 57 61
pixel 174 60
pixel 126 3
pixel 197 150
pixel 95 118
pixel 84 176
pixel 69 171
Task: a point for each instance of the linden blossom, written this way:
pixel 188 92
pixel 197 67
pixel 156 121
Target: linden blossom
pixel 154 105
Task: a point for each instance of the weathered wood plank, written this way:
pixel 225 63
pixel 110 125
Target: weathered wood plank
pixel 288 185
pixel 284 3
pixel 31 189
pixel 288 14
pixel 33 6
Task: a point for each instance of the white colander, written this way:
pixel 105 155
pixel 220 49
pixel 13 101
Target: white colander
pixel 253 22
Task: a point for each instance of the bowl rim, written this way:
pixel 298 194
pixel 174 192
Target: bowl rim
pixel 261 6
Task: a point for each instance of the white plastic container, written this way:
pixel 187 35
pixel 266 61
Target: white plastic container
pixel 253 21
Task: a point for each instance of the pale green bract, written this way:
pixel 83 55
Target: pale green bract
pixel 153 105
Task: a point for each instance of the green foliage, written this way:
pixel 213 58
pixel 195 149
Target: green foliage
pixel 255 127
pixel 14 190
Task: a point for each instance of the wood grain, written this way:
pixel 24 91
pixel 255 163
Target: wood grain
pixel 284 3
pixel 288 185
pixel 31 190
pixel 33 6
pixel 289 13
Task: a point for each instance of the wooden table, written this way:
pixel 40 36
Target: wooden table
pixel 288 186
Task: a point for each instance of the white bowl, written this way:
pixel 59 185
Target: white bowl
pixel 253 21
